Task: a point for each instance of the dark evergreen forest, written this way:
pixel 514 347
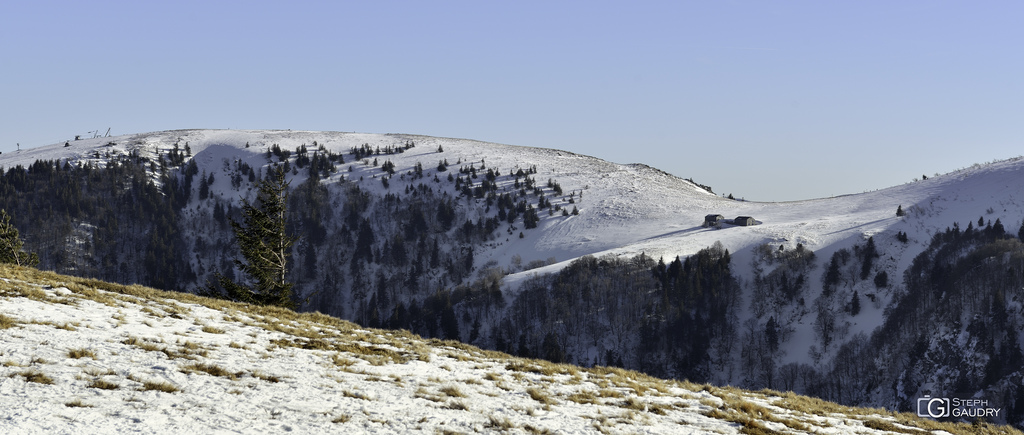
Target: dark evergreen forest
pixel 111 223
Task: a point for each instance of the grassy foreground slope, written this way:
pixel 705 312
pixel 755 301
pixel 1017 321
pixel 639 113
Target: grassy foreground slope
pixel 80 355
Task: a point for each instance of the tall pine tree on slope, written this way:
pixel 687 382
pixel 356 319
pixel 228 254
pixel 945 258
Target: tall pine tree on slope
pixel 10 244
pixel 265 246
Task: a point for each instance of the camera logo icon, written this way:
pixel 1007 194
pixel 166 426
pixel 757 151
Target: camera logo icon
pixel 934 407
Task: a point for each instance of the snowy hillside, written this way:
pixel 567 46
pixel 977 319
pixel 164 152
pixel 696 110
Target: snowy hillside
pixel 635 201
pixel 552 254
pixel 87 356
pixel 625 209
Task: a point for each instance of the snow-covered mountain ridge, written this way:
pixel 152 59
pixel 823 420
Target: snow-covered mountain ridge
pixel 452 238
pixel 625 194
pixel 83 355
pixel 626 209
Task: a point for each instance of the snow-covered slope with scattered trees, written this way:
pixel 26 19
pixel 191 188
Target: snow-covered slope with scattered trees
pixel 552 254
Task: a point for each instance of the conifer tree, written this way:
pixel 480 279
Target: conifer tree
pixel 10 244
pixel 771 334
pixel 552 351
pixel 832 275
pixel 265 246
pixel 204 187
pixel 364 243
pixel 870 253
pixel 449 323
pixel 882 279
pixel 997 229
pixel 530 218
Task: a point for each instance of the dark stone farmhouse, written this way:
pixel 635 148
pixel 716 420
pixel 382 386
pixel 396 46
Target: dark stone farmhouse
pixel 713 220
pixel 744 221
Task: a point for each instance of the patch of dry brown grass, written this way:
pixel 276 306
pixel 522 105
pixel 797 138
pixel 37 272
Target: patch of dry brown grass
pixel 265 377
pixel 584 397
pixel 211 369
pixel 813 405
pixel 457 405
pixel 103 384
pixel 890 427
pixel 452 391
pixel 356 395
pixel 737 408
pixel 161 386
pixel 35 376
pixel 609 393
pixel 81 353
pixel 540 396
pixel 541 367
pixel 77 403
pixel 212 330
pixel 500 423
pixel 7 322
pixel 375 355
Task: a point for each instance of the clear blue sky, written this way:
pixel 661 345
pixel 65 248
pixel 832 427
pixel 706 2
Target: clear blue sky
pixel 766 100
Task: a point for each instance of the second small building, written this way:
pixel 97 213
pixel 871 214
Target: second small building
pixel 744 221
